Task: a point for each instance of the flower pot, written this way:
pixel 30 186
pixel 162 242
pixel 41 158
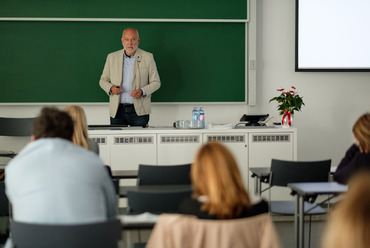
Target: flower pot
pixel 287 120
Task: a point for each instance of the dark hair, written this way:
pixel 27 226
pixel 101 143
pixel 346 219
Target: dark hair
pixel 53 123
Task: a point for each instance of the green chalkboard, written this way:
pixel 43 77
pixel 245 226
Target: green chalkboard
pixel 63 61
pixel 188 9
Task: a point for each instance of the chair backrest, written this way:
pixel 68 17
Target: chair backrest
pixel 284 172
pixel 93 235
pixel 4 202
pixel 156 201
pixel 16 126
pixel 114 180
pixel 164 174
pixel 176 231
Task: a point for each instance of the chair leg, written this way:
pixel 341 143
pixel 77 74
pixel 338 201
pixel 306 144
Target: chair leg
pixel 128 236
pixel 309 233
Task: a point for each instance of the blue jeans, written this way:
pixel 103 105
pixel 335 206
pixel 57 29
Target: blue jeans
pixel 126 115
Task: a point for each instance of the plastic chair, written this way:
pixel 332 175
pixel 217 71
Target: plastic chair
pixel 156 201
pixel 93 235
pixel 4 213
pixel 284 172
pixel 14 127
pixel 164 174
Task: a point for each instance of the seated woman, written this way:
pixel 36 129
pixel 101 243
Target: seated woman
pixel 358 155
pixel 349 223
pixel 220 213
pixel 219 192
pixel 80 136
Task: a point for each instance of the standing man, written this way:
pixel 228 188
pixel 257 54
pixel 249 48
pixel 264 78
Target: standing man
pixel 53 181
pixel 130 77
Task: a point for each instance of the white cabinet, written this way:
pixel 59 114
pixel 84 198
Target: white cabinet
pixel 125 149
pixel 265 146
pixel 237 143
pixel 177 148
pixel 104 141
pixel 130 150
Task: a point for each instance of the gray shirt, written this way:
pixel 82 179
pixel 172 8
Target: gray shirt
pixel 53 181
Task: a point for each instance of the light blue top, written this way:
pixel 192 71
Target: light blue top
pixel 53 181
pixel 128 69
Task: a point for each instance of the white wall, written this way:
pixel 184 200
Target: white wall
pixel 334 100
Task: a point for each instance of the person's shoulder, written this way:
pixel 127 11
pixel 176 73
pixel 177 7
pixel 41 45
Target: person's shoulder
pixel 116 53
pixel 257 208
pixel 86 160
pixel 363 159
pixel 143 53
pixel 261 206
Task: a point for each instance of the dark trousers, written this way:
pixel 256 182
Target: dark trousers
pixel 126 115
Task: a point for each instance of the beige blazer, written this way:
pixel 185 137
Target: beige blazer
pixel 186 231
pixel 145 76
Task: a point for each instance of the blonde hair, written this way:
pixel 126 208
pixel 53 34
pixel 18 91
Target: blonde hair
pixel 80 135
pixel 349 225
pixel 215 174
pixel 361 131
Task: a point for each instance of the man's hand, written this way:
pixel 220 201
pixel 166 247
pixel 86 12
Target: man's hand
pixel 116 90
pixel 136 93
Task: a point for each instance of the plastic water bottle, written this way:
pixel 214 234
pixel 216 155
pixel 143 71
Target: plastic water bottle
pixel 195 114
pixel 201 117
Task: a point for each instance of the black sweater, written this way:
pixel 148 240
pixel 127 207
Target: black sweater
pixel 353 161
pixel 193 207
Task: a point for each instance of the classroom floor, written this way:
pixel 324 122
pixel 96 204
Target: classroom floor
pixel 286 233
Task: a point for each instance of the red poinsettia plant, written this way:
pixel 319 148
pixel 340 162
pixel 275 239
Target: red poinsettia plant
pixel 289 101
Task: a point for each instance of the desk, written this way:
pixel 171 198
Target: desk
pixel 310 189
pixel 123 189
pixel 7 154
pixel 124 174
pixel 131 221
pixel 260 174
pixel 138 221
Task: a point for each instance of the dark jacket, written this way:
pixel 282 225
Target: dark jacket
pixel 193 207
pixel 354 161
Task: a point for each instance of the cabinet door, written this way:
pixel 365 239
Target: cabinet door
pixel 178 148
pixel 237 144
pixel 265 146
pixel 104 142
pixel 130 150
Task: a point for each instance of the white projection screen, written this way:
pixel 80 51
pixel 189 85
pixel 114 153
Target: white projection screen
pixel 332 35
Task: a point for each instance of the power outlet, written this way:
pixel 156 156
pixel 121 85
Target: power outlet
pixel 252 64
